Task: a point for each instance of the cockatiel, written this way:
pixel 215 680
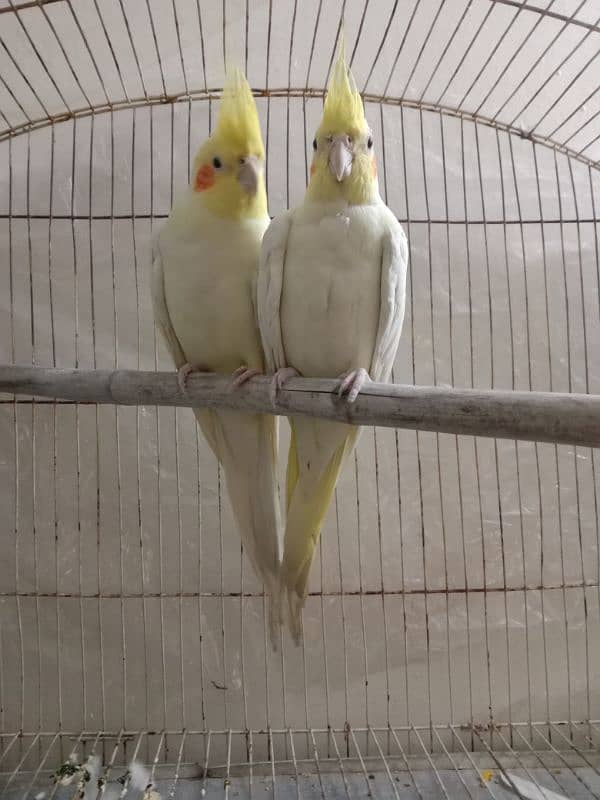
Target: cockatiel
pixel 331 295
pixel 204 280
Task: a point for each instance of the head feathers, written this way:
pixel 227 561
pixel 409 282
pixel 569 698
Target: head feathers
pixel 343 109
pixel 238 123
pixel 216 183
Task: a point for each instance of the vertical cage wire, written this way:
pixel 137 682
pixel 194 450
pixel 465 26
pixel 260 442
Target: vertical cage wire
pixel 448 773
pixel 457 580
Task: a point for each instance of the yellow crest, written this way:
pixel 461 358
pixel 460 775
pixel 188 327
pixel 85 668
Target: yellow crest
pixel 343 109
pixel 237 124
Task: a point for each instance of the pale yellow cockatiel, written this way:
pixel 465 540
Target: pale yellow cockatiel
pixel 331 294
pixel 204 279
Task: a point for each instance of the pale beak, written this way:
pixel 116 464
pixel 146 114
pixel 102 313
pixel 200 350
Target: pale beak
pixel 249 173
pixel 340 158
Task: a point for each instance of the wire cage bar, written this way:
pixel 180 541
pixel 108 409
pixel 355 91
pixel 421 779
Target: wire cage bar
pixel 454 607
pixel 508 761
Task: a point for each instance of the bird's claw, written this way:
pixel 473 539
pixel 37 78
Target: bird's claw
pixel 183 374
pixel 243 374
pixel 185 371
pixel 351 383
pixel 279 378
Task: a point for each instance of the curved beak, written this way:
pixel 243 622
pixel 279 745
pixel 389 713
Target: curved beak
pixel 249 173
pixel 340 158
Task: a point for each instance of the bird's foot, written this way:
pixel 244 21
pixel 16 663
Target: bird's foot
pixel 279 378
pixel 351 383
pixel 185 371
pixel 243 374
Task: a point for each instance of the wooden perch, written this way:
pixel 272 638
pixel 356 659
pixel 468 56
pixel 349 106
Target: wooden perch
pixel 533 416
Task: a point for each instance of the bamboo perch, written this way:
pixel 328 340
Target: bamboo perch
pixel 532 416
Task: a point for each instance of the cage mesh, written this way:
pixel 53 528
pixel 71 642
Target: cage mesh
pixel 457 581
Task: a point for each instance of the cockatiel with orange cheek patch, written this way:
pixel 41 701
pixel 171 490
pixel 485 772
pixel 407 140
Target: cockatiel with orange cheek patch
pixel 331 293
pixel 204 280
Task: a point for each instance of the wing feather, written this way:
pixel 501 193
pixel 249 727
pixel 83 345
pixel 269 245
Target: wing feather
pixel 269 288
pixel 161 312
pixel 394 262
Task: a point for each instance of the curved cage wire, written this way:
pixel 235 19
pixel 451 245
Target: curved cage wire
pixel 457 586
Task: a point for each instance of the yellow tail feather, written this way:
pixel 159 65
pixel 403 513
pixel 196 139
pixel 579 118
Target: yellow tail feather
pixel 293 470
pixel 308 498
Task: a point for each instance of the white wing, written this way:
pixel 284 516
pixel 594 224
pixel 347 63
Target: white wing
pixel 394 261
pixel 269 287
pixel 161 312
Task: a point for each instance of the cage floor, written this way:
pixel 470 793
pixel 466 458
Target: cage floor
pixel 542 761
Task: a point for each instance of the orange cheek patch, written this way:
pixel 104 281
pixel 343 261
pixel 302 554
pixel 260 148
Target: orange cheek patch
pixel 374 167
pixel 205 178
pixel 312 169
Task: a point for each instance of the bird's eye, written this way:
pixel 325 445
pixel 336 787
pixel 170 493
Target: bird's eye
pixel 370 142
pixel 314 144
pixel 217 163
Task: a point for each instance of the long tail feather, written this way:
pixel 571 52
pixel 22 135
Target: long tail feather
pixel 246 446
pixel 317 453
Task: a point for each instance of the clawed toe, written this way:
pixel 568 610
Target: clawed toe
pixel 185 371
pixel 182 375
pixel 345 383
pixel 243 374
pixel 279 379
pixel 351 383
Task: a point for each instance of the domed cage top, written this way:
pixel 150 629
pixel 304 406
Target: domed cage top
pixel 451 633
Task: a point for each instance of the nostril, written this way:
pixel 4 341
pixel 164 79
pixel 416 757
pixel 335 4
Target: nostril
pixel 242 160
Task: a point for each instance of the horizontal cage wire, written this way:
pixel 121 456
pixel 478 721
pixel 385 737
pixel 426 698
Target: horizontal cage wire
pixel 452 629
pixel 549 759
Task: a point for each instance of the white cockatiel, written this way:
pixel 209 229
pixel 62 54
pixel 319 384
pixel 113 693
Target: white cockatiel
pixel 204 279
pixel 331 294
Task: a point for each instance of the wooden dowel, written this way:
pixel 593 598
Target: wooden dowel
pixel 532 416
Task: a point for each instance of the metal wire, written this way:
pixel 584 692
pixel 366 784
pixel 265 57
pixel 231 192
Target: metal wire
pixel 452 592
pixel 423 767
